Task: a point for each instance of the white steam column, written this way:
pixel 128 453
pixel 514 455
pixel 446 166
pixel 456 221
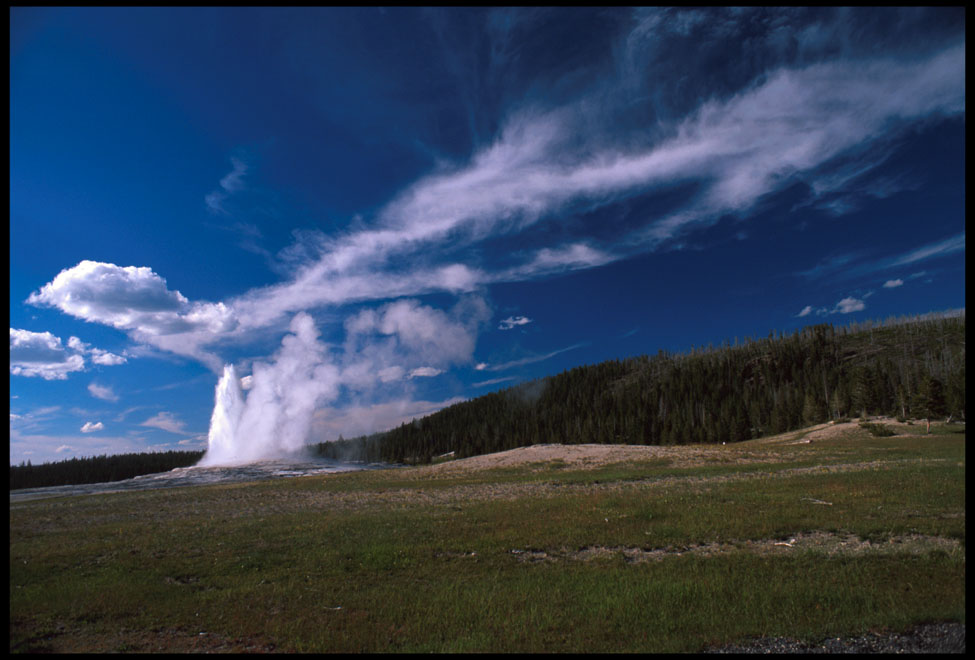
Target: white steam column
pixel 227 410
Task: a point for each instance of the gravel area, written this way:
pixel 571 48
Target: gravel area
pixel 927 638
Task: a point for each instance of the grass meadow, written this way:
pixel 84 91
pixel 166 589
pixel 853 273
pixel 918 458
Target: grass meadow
pixel 842 536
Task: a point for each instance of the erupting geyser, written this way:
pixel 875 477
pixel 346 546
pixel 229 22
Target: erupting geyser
pixel 275 418
pixel 227 410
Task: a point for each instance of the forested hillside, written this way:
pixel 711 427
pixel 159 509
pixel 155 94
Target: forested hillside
pixel 905 367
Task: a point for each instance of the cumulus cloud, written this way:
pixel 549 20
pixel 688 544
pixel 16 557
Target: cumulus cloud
pixel 407 338
pixel 848 305
pixel 137 300
pixel 91 428
pixel 97 355
pixel 102 392
pixel 891 284
pixel 513 321
pixel 130 298
pixel 41 354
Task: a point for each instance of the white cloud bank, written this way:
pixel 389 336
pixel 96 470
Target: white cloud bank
pixel 41 354
pixel 137 300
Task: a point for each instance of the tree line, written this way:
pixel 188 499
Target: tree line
pixel 908 367
pixel 98 469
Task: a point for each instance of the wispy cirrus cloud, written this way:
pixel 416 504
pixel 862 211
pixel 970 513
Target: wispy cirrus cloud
pixel 166 421
pixel 788 126
pixel 829 266
pixel 483 366
pixel 231 183
pixel 493 381
pixel 931 251
pixel 850 265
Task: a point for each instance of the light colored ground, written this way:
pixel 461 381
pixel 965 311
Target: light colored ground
pixel 593 455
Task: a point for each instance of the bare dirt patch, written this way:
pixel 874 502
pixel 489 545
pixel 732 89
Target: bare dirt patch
pixel 582 456
pixel 586 456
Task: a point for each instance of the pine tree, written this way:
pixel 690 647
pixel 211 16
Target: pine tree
pixel 840 401
pixel 812 409
pixel 930 400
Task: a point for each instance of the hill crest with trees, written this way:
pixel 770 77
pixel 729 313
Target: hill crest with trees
pixel 907 367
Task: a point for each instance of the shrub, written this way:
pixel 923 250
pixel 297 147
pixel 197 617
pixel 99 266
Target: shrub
pixel 879 430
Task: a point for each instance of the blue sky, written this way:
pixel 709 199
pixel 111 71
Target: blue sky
pixel 374 213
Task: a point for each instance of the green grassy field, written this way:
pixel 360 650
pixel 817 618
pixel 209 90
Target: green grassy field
pixel 834 537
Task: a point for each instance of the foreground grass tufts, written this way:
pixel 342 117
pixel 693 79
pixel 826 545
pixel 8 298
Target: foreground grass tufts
pixel 503 560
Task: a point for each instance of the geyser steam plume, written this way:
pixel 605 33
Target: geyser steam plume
pixel 275 417
pixel 227 408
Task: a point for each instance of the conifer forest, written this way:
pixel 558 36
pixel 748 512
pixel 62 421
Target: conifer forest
pixel 902 367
